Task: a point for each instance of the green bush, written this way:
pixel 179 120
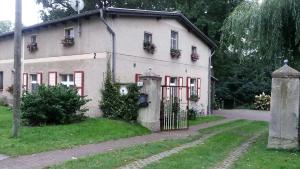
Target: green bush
pixel 52 105
pixel 117 106
pixel 192 114
pixel 262 102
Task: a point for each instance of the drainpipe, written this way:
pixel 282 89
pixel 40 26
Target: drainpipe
pixel 209 83
pixel 110 30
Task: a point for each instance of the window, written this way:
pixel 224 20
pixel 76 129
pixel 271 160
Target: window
pixel 174 40
pixel 33 38
pixel 193 87
pixel 69 33
pixel 34 82
pixel 1 81
pixel 147 37
pixel 173 81
pixel 67 79
pixel 194 49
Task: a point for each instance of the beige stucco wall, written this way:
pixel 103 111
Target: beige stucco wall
pixel 93 39
pixel 132 59
pixel 129 47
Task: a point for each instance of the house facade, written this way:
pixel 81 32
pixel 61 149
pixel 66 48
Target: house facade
pixel 74 51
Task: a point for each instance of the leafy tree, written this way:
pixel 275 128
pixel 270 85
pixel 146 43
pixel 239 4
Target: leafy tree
pixel 256 39
pixel 5 26
pixel 208 15
pixel 270 31
pixel 54 9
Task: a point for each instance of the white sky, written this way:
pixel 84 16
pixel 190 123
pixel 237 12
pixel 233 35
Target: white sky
pixel 30 11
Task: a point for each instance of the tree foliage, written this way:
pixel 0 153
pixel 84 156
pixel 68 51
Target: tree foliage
pixel 117 106
pixel 5 26
pixel 54 9
pixel 269 32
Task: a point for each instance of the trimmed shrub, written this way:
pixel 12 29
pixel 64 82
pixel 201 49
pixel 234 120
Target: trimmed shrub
pixel 262 102
pixel 117 106
pixel 52 105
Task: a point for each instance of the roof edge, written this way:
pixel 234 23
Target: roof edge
pixel 128 12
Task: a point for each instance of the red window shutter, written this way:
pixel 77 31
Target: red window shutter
pixel 25 81
pixel 167 83
pixel 180 84
pixel 137 77
pixel 52 78
pixel 199 87
pixel 79 82
pixel 39 78
pixel 188 85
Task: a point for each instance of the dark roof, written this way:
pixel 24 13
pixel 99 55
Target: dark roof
pixel 128 12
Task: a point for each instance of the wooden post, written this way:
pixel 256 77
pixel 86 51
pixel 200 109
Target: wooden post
pixel 17 70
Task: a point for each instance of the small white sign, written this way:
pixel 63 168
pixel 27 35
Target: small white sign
pixel 140 84
pixel 123 90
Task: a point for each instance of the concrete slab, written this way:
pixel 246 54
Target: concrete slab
pixel 2 157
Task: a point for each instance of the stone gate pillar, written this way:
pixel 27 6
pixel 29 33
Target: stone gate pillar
pixel 149 117
pixel 283 128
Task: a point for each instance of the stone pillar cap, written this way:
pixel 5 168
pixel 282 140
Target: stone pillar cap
pixel 286 72
pixel 151 75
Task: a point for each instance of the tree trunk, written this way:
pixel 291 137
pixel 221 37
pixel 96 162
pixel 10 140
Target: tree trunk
pixel 17 70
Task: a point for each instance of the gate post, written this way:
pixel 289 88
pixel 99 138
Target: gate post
pixel 283 128
pixel 149 117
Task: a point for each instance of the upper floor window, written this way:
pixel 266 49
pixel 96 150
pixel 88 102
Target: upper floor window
pixel 147 37
pixel 69 33
pixel 174 40
pixel 67 79
pixel 33 39
pixel 194 49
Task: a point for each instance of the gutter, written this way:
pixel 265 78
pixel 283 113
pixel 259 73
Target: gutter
pixel 110 30
pixel 209 108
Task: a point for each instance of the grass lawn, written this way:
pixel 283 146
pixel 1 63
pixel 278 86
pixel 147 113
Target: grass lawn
pixel 122 157
pixel 213 151
pixel 38 139
pixel 259 157
pixel 205 119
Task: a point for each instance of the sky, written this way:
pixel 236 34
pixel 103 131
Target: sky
pixel 30 11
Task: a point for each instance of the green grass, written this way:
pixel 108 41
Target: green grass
pixel 259 157
pixel 39 139
pixel 122 157
pixel 214 150
pixel 205 119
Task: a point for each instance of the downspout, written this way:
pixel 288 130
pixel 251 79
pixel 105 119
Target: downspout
pixel 209 83
pixel 110 30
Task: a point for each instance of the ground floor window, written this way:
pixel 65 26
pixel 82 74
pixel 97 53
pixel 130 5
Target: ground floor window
pixel 34 82
pixel 67 79
pixel 173 81
pixel 193 86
